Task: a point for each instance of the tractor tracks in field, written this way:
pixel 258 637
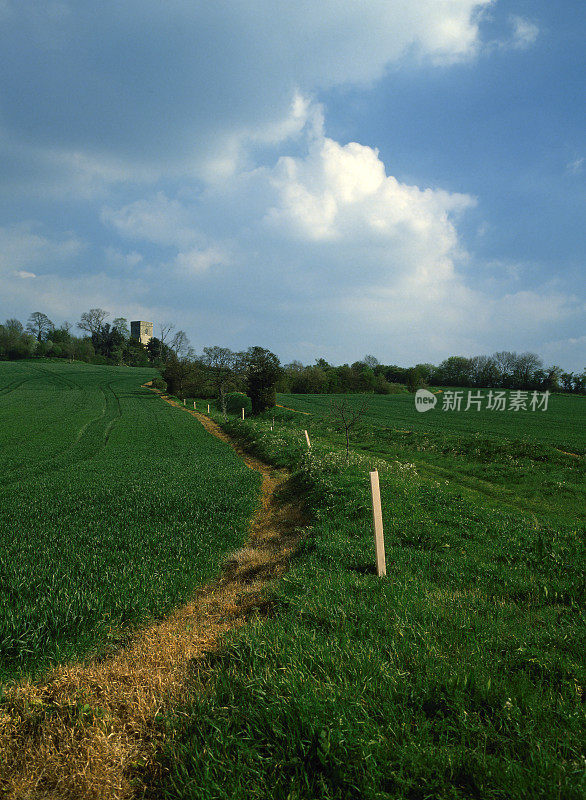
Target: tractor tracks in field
pixel 89 731
pixel 89 441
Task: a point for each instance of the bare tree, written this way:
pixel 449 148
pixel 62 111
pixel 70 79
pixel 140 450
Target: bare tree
pixel 92 320
pixel 39 325
pixel 180 344
pixel 345 417
pixel 166 329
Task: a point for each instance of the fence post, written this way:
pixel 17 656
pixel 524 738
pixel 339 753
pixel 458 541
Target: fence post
pixel 194 404
pixel 377 518
pixel 242 413
pixel 208 408
pixel 307 438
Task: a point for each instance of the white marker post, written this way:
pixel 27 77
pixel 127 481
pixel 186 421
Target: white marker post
pixel 377 517
pixel 242 413
pixel 183 401
pixel 194 405
pixel 208 408
pixel 307 438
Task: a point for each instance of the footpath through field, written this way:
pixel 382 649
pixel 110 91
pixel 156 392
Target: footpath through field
pixel 88 730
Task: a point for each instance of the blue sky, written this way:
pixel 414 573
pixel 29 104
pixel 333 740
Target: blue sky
pixel 404 178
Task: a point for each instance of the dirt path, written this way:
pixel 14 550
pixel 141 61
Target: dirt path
pixel 82 731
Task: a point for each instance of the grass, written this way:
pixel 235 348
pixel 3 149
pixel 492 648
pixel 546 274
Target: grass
pixel 113 508
pixel 532 461
pixel 460 675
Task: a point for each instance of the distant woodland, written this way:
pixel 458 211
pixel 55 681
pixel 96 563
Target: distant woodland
pixel 217 370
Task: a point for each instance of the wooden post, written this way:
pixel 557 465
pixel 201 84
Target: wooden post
pixel 208 408
pixel 377 518
pixel 307 438
pixel 194 404
pixel 242 413
pixel 183 401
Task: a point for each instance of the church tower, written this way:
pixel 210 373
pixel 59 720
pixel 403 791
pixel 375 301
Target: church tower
pixel 142 331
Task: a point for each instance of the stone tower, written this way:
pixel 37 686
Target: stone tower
pixel 142 331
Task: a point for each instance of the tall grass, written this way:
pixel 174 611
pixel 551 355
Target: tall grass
pixel 460 675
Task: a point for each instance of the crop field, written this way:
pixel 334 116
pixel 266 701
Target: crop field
pixel 460 674
pixel 532 460
pixel 561 425
pixel 113 508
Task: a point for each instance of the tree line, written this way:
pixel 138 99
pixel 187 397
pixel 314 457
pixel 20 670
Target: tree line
pixel 99 342
pixel 501 370
pixel 219 371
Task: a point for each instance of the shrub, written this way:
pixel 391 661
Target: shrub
pixel 160 384
pixel 236 401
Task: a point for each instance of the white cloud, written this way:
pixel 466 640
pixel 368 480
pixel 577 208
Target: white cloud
pixel 338 250
pixel 21 273
pixel 192 80
pixel 159 220
pixel 195 261
pixel 575 167
pixel 525 33
pixel 341 192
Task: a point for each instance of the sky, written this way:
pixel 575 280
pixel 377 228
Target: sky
pixel 401 178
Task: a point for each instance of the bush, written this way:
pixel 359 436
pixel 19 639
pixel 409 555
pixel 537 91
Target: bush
pixel 236 401
pixel 160 384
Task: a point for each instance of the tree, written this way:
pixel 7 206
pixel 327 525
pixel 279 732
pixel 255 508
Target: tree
pixel 526 366
pixel 134 353
pixel 454 371
pixel 346 416
pixel 109 342
pixel 414 379
pixel 371 361
pixel 262 369
pixel 166 329
pixel 39 325
pixel 61 335
pixel 120 324
pixel 177 374
pixel 219 361
pixel 180 344
pixel 92 320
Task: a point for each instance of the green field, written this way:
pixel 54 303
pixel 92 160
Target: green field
pixel 113 507
pixel 561 425
pixel 461 674
pixel 531 460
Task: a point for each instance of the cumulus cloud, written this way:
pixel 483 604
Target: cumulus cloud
pixel 341 192
pixel 216 73
pixel 338 250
